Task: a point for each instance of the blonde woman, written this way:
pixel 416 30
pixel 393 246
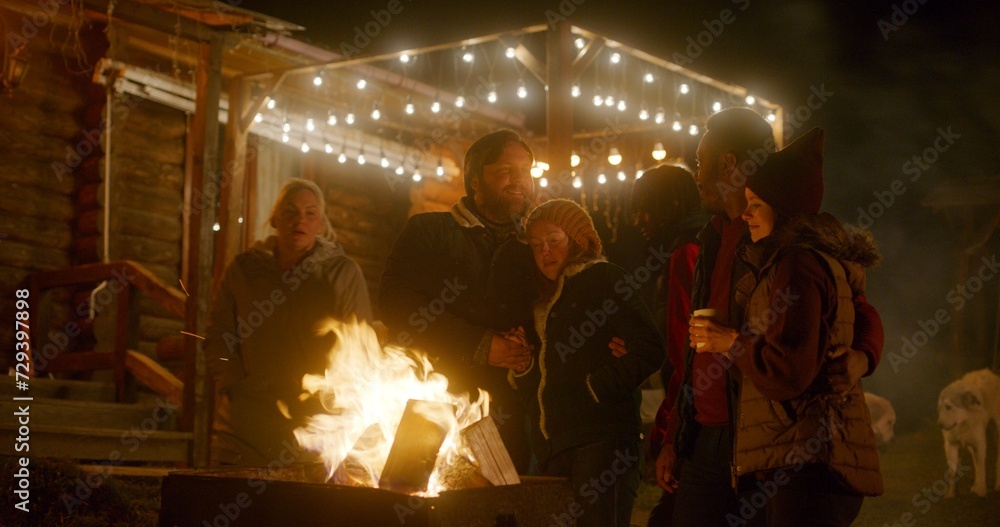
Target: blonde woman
pixel 263 336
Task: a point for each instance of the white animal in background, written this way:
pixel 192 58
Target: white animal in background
pixel 883 417
pixel 965 409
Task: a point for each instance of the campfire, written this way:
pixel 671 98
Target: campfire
pixel 390 422
pixel 397 449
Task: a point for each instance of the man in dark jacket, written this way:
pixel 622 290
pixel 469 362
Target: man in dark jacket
pixel 435 293
pixel 700 462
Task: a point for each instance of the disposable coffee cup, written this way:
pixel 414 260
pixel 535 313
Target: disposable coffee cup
pixel 707 313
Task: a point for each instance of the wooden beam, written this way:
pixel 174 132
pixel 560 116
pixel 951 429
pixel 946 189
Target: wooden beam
pixel 734 89
pixel 229 238
pixel 559 100
pixel 158 378
pixel 201 188
pixel 532 64
pixel 587 56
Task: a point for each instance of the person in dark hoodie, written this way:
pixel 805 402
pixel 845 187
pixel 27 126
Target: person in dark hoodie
pixel 583 400
pixel 812 451
pixel 667 211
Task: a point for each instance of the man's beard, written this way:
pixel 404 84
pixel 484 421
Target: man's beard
pixel 500 205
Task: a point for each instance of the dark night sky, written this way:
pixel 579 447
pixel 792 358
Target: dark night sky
pixel 940 69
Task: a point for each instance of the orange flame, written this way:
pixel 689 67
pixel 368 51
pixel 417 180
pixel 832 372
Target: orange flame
pixel 364 392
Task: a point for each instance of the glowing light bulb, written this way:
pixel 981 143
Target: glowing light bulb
pixel 362 83
pixel 492 95
pixel 305 147
pixel 468 57
pixel 543 182
pixel 460 101
pixel 648 78
pixel 574 159
pixel 659 153
pixel 771 117
pixel 328 148
pixel 598 100
pixel 677 126
pixel 609 101
pixel 439 170
pixel 621 175
pixel 622 106
pixel 510 53
pixel 239 220
pixel 258 118
pixel 614 157
pixel 660 116
pixel 522 91
pixel 318 79
pixel 284 137
pixel 616 58
pixel 400 170
pixel 376 112
pixel 404 58
pixel 536 171
pixel 602 179
pixel 342 158
pixel 716 106
pixel 643 114
pixel 575 90
pixel 361 159
pixel 285 125
pixel 685 89
pixel 384 161
pixel 580 43
pixel 693 129
pixel 639 173
pixel 436 106
pixel 270 103
pixel 577 182
pixel 216 227
pixel 331 119
pixel 349 118
pixel 750 100
pixel 310 124
pixel 409 109
pixel 417 176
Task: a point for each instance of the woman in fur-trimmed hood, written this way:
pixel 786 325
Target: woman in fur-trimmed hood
pixel 583 400
pixel 816 447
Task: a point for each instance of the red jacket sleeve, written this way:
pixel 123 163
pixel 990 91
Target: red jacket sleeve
pixel 869 335
pixel 679 284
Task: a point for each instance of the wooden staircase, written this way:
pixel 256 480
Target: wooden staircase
pixel 80 420
pixel 114 422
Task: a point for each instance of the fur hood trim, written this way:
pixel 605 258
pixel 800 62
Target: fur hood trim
pixel 825 233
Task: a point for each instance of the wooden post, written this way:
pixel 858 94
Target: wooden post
pixel 559 103
pixel 201 187
pixel 233 181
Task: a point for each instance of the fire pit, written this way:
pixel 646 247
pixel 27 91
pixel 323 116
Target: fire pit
pixel 298 496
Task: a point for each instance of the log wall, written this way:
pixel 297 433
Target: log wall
pixel 41 138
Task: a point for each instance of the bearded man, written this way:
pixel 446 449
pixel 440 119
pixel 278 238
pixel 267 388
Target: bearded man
pixel 435 294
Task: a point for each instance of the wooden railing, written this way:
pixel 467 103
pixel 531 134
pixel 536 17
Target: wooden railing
pixel 123 278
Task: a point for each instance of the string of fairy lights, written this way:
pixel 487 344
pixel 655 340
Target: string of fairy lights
pixel 645 96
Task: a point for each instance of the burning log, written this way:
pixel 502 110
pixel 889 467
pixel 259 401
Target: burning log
pixel 415 450
pixel 495 464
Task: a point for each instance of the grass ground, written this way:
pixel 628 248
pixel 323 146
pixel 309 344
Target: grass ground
pixel 913 467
